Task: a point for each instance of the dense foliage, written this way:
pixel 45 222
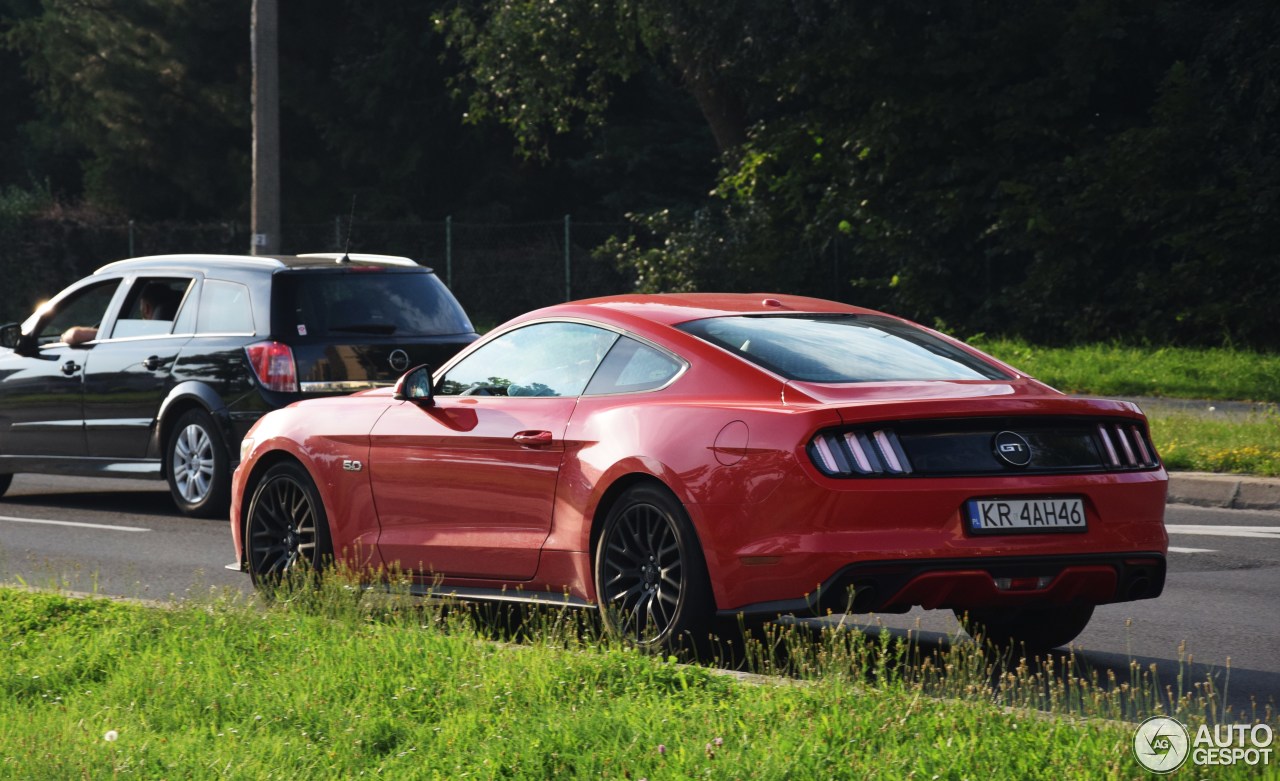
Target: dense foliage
pixel 1059 171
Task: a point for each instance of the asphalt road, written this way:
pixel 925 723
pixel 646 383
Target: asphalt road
pixel 1220 607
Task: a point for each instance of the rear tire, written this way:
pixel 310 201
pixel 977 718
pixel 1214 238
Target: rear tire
pixel 651 579
pixel 197 466
pixel 5 482
pixel 1036 628
pixel 287 529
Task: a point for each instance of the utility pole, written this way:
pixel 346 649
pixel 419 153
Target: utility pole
pixel 265 206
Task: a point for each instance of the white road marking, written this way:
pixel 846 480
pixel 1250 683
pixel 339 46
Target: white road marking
pixel 1190 550
pixel 1261 532
pixel 47 522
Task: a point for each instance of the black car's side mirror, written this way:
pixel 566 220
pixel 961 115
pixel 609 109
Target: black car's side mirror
pixel 415 386
pixel 10 336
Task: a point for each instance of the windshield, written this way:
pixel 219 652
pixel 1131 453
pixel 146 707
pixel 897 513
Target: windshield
pixel 841 348
pixel 370 303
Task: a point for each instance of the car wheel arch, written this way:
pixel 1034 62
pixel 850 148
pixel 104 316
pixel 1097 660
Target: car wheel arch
pixel 181 399
pixel 260 468
pixel 610 497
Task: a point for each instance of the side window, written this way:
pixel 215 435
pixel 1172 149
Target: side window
pixel 83 309
pixel 224 308
pixel 545 359
pixel 631 367
pixel 151 307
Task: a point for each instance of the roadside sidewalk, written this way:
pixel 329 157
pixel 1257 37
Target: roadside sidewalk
pixel 1235 492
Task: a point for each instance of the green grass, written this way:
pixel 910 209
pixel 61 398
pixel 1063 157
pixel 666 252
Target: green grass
pixel 1174 372
pixel 325 686
pixel 1191 442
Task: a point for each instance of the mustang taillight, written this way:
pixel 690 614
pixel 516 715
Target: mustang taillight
pixel 1125 446
pixel 859 452
pixel 273 365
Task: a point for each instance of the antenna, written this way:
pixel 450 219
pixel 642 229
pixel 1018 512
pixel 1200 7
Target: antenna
pixel 351 221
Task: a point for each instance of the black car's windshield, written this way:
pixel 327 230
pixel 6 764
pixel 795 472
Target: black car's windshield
pixel 841 348
pixel 373 303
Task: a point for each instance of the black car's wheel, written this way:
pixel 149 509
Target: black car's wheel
pixel 198 469
pixel 1038 629
pixel 651 579
pixel 287 529
pixel 5 482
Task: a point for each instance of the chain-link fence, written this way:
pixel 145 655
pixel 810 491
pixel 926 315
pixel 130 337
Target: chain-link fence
pixel 497 270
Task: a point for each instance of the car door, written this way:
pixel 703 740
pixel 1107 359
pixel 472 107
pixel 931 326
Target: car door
pixel 465 487
pixel 41 381
pixel 128 372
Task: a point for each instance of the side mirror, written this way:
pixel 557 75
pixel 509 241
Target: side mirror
pixel 415 386
pixel 10 336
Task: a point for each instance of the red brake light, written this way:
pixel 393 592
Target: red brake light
pixel 273 365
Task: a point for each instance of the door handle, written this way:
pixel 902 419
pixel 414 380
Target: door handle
pixel 70 367
pixel 152 363
pixel 533 438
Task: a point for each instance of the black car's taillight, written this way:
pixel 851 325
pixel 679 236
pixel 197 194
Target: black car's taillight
pixel 274 366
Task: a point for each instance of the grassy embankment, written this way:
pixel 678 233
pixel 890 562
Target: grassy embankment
pixel 1186 439
pixel 323 685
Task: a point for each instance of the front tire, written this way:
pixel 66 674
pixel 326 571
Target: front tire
pixel 287 529
pixel 1036 628
pixel 198 470
pixel 651 579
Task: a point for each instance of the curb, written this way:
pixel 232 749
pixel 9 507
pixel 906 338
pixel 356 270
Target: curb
pixel 1233 492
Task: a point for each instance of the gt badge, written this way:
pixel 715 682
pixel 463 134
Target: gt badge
pixel 1011 448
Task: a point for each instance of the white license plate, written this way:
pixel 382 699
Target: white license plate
pixel 1044 514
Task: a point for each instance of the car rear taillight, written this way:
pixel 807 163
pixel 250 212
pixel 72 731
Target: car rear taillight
pixel 859 452
pixel 273 365
pixel 1126 446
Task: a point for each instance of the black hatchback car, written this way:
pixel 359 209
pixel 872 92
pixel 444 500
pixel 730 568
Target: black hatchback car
pixel 157 366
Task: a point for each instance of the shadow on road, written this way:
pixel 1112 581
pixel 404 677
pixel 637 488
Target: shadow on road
pixel 151 503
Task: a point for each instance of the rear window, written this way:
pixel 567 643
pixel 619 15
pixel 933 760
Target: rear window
pixel 841 348
pixel 372 303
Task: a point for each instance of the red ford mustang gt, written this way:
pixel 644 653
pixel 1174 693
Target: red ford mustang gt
pixel 678 459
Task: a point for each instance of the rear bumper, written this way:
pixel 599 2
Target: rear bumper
pixel 1007 581
pixel 908 541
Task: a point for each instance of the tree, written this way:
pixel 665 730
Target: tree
pixel 1064 172
pixel 542 68
pixel 155 91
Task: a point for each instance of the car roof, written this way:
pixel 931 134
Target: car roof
pixel 268 263
pixel 673 308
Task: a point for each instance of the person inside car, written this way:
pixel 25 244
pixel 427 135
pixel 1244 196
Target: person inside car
pixel 156 302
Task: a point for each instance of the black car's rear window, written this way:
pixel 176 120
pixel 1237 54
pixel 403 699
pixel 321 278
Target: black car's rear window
pixel 370 303
pixel 841 348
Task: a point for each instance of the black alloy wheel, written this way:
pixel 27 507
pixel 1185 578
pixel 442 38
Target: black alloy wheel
pixel 287 529
pixel 197 466
pixel 651 579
